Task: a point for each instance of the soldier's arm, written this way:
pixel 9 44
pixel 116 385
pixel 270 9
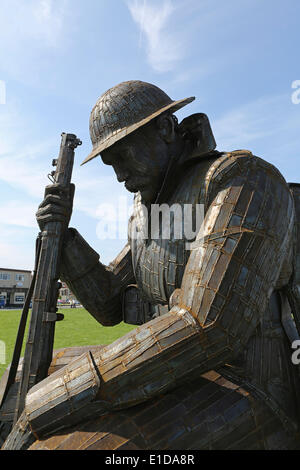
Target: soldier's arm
pixel 227 283
pixel 98 287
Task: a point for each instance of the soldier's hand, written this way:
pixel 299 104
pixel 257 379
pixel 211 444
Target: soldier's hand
pixel 57 205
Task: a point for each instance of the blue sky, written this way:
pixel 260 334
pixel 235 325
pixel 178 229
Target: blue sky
pixel 239 58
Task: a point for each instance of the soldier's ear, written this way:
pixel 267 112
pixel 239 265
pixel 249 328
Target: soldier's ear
pixel 166 127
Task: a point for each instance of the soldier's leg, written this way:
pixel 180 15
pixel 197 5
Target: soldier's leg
pixel 61 357
pixel 207 413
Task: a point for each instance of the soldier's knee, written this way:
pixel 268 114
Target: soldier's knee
pixel 63 398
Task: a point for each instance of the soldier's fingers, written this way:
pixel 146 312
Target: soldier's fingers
pixel 54 199
pixel 58 189
pixel 52 209
pixel 50 218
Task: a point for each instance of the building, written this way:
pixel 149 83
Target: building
pixel 65 295
pixel 14 285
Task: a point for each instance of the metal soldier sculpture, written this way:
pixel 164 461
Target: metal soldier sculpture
pixel 210 365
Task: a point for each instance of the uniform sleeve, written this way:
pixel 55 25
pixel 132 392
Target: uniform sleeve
pixel 98 287
pixel 236 261
pixel 230 275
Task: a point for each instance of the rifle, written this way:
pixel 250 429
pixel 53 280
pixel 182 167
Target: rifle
pixel 44 288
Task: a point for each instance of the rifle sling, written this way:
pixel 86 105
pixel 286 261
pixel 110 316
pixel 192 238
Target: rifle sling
pixel 21 330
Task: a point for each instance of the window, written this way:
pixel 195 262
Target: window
pixel 20 277
pixel 4 277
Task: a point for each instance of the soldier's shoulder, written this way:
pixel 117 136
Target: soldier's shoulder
pixel 238 162
pixel 227 161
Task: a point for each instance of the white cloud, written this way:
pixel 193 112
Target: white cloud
pixel 50 16
pixel 27 30
pixel 269 127
pixel 15 257
pixel 18 213
pixel 34 19
pixel 24 172
pixel 164 48
pixel 188 37
pixel 21 158
pixel 24 175
pixel 17 247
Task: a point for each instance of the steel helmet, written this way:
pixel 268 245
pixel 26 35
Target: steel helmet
pixel 123 109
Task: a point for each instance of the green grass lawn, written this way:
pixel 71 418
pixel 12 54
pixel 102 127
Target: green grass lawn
pixel 78 328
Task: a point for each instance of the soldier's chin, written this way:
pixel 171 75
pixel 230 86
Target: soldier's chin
pixel 148 194
pixel 131 187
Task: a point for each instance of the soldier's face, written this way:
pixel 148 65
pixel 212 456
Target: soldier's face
pixel 140 160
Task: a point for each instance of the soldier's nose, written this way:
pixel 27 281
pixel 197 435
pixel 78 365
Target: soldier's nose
pixel 121 171
pixel 121 176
